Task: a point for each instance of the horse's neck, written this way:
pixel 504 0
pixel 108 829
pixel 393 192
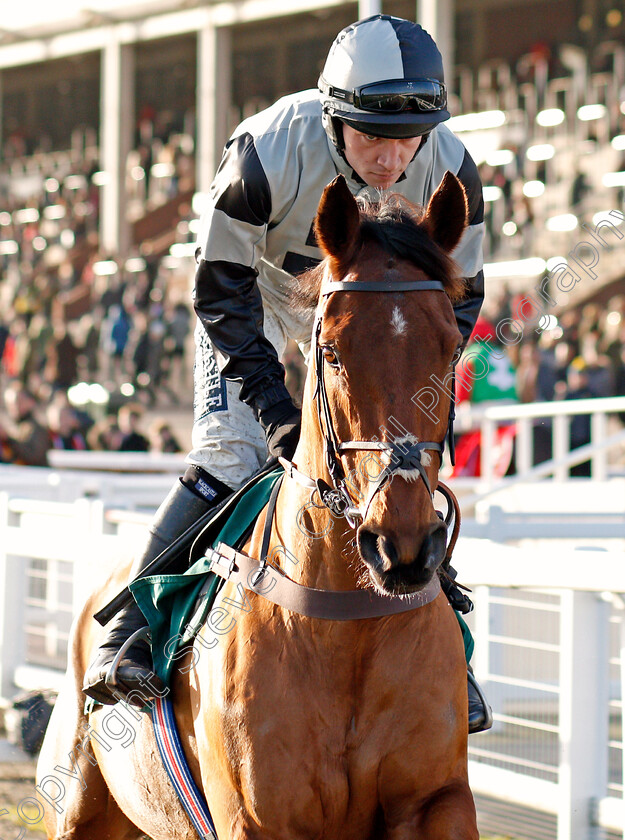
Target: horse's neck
pixel 323 545
pixel 326 560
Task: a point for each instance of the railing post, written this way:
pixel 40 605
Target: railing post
pixel 487 453
pixel 481 624
pixel 85 553
pixel 560 445
pixel 525 447
pixel 598 433
pixel 620 601
pixel 583 712
pixel 486 658
pixel 12 600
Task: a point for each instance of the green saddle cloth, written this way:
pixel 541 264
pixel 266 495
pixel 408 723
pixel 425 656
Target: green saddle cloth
pixel 168 601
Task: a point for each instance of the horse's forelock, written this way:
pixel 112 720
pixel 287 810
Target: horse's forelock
pixel 396 225
pixel 307 288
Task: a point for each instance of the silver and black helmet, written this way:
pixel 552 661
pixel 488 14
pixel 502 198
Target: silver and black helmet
pixel 383 76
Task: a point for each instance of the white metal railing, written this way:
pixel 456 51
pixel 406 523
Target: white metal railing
pixel 550 647
pixel 120 462
pixel 550 652
pixel 130 489
pixel 559 414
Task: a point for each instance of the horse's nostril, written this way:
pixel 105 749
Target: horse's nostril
pixel 388 552
pixel 374 550
pixel 432 551
pixel 368 548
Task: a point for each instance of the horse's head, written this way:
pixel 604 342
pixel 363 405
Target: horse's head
pixel 385 330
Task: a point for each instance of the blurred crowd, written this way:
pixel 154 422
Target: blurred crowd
pixel 129 339
pixel 29 430
pixel 71 314
pixel 580 356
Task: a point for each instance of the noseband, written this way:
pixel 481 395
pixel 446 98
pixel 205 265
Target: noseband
pixel 404 455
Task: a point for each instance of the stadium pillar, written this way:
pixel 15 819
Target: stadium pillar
pixel 213 101
pixel 366 8
pixel 437 18
pixel 116 140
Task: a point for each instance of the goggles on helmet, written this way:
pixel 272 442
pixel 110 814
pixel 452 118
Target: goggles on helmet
pixel 394 96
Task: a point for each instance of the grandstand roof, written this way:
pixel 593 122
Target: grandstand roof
pixel 39 30
pixel 40 17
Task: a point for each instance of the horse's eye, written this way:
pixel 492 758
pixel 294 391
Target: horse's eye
pixel 329 354
pixel 456 357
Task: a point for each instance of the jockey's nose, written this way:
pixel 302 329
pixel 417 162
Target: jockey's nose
pixel 389 155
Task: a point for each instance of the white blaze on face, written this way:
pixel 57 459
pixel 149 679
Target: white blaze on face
pixel 398 322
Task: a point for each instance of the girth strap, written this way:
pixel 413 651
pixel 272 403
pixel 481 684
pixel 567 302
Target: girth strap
pixel 332 605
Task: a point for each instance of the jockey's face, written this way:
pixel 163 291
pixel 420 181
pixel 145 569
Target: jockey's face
pixel 379 161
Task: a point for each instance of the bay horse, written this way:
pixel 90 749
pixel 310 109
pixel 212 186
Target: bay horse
pixel 296 727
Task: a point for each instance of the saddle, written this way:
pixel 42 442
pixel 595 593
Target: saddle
pixel 177 605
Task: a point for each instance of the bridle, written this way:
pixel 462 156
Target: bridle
pixel 403 455
pixel 358 603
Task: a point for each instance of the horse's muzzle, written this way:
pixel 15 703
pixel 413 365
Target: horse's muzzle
pixel 393 575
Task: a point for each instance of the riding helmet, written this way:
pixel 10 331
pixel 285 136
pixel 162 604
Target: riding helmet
pixel 383 76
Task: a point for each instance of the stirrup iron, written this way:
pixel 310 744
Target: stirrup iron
pixel 142 634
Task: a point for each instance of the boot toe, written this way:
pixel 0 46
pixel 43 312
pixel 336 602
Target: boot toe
pixel 94 683
pixel 134 674
pixel 480 712
pixel 138 680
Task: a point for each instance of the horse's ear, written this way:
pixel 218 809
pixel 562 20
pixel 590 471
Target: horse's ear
pixel 446 215
pixel 337 224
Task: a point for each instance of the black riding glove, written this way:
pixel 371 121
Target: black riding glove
pixel 281 424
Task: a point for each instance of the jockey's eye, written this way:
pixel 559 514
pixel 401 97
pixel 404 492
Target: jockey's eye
pixel 330 356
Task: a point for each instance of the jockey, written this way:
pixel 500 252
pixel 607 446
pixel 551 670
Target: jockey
pixel 377 118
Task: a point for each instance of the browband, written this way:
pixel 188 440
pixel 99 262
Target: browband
pixel 381 286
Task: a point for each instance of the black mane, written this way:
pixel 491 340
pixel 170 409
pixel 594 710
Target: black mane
pixel 395 225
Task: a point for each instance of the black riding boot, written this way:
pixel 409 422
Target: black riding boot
pixel 181 509
pixel 480 712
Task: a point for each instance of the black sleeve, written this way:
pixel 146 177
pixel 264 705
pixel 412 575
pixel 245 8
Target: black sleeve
pixel 227 298
pixel 228 304
pixel 468 309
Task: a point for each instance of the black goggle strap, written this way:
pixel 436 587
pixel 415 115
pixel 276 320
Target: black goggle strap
pixel 428 95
